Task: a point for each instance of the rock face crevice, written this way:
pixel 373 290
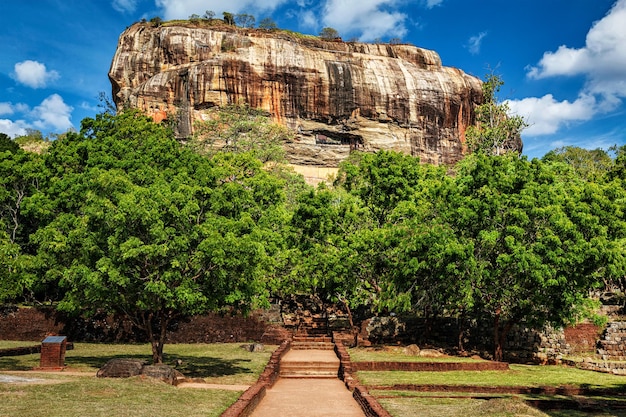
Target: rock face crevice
pixel 336 96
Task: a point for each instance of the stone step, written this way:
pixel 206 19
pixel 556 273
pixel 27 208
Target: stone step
pixel 309 369
pixel 312 345
pixel 305 338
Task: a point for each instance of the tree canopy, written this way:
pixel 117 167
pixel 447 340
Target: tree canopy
pixel 146 228
pixel 122 218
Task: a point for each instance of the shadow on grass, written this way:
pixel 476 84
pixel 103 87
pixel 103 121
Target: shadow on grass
pixel 190 366
pixel 12 363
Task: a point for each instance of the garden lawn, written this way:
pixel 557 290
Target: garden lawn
pixel 100 397
pixel 518 375
pixel 69 395
pixel 219 363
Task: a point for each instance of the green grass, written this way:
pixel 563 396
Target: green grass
pixel 68 395
pixel 458 407
pixel 95 397
pixel 6 344
pixel 224 363
pixel 396 355
pixel 518 375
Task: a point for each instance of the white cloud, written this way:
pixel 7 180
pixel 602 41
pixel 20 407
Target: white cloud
pixel 474 43
pixel 371 19
pixel 6 108
pixel 13 128
pixel 125 6
pixel 182 9
pixel 602 59
pixel 308 19
pixel 33 74
pixel 53 113
pixel 546 115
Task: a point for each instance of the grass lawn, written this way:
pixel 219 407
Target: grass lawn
pixel 458 407
pixel 220 363
pixel 96 397
pixel 70 395
pixel 450 404
pixel 518 375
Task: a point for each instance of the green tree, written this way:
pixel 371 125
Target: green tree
pixel 156 21
pixel 267 24
pixel 329 34
pixel 496 131
pixel 240 128
pixel 589 164
pixel 381 180
pixel 618 170
pixel 146 228
pixel 22 178
pixel 245 20
pixel 229 19
pixel 538 240
pixel 7 144
pixel 209 15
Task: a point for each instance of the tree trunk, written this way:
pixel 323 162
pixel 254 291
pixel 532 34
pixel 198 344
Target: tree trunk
pixel 497 340
pixel 499 336
pixel 353 330
pixel 156 335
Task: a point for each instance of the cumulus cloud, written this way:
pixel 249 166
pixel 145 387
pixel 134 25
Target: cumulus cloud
pixel 13 128
pixel 53 113
pixel 33 74
pixel 546 115
pixel 125 6
pixel 6 108
pixel 601 60
pixel 372 19
pixel 474 43
pixel 182 9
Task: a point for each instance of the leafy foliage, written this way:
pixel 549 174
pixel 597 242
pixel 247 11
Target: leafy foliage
pixel 245 20
pixel 267 24
pixel 146 228
pixel 239 128
pixel 496 131
pixel 329 34
pixel 589 164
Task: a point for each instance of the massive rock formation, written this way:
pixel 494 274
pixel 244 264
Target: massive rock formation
pixel 337 96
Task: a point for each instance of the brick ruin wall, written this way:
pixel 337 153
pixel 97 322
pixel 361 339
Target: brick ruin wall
pixel 34 324
pixel 523 345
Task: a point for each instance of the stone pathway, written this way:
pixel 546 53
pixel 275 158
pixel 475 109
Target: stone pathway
pixel 308 387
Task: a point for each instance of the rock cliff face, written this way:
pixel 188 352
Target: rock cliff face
pixel 337 96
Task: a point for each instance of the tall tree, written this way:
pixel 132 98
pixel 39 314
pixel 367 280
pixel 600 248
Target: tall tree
pixel 496 131
pixel 240 128
pixel 589 164
pixel 148 229
pixel 539 241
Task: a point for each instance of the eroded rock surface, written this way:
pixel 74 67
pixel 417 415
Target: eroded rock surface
pixel 337 96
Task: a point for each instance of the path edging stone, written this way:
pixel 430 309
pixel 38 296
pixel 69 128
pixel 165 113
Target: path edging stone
pixel 370 406
pixel 248 401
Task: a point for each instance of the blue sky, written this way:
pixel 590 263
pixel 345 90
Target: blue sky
pixel 563 61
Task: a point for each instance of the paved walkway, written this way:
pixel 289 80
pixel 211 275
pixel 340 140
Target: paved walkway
pixel 308 397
